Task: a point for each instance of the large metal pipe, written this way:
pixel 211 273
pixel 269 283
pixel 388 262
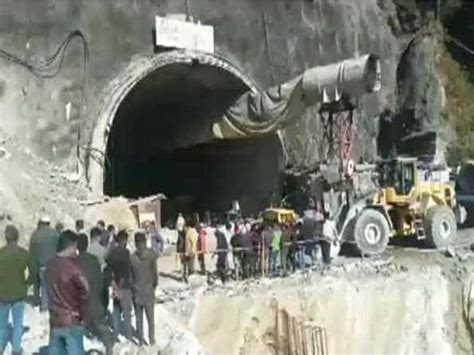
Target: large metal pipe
pixel 261 112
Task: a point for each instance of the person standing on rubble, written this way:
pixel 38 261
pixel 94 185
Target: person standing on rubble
pixel 118 270
pixel 13 289
pixel 329 236
pixel 96 248
pixel 236 242
pixel 105 236
pixel 180 242
pixel 43 248
pixel 248 255
pixel 79 225
pixel 275 248
pixel 68 292
pixel 222 247
pixel 228 236
pixel 180 223
pixel 145 281
pixel 95 313
pixel 111 231
pixel 294 248
pixel 267 237
pixel 156 240
pixel 256 235
pixel 298 245
pixel 287 240
pixel 318 233
pixel 180 248
pixel 310 230
pixel 202 248
pixel 59 227
pixel 190 250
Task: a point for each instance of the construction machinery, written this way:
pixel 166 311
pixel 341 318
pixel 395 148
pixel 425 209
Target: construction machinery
pixel 464 187
pixel 279 215
pixel 407 200
pixel 411 201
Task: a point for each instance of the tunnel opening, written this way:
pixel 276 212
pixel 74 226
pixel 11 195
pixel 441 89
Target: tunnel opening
pixel 160 142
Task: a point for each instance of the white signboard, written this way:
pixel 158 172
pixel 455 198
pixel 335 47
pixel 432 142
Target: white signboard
pixel 186 35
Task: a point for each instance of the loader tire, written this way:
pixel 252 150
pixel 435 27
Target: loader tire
pixel 440 227
pixel 371 232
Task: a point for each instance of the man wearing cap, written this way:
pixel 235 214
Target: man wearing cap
pixel 43 248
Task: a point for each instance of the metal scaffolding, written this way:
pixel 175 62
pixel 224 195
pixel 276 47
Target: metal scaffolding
pixel 293 335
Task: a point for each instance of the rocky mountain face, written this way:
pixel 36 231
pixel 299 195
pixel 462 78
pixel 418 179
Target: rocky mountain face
pixel 271 41
pixel 432 82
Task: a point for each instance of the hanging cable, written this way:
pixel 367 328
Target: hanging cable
pixel 459 44
pixel 51 66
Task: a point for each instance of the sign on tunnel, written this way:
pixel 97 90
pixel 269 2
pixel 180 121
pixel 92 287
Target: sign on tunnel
pixel 174 33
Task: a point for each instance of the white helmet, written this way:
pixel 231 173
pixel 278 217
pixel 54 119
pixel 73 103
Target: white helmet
pixel 45 219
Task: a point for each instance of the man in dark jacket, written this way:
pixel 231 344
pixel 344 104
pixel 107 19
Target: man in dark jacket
pixel 111 232
pixel 180 248
pixel 145 280
pixel 236 242
pixel 118 263
pixel 13 288
pixel 80 227
pixel 95 314
pixel 105 236
pixel 248 254
pixel 202 247
pixel 43 248
pixel 222 247
pixel 267 235
pixel 68 292
pixel 311 230
pixel 287 239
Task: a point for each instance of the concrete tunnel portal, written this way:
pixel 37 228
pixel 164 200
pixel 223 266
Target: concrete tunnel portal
pixel 159 142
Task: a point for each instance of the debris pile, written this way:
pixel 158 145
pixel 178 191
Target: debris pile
pixel 30 186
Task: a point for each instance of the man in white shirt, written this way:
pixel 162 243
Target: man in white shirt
pixel 330 235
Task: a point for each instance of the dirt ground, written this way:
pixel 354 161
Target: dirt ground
pixel 408 300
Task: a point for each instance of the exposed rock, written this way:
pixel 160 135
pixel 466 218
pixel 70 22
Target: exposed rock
pixel 450 252
pixel 4 154
pixel 115 211
pixel 421 100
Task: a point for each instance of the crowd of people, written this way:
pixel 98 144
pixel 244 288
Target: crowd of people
pixel 90 282
pixel 75 275
pixel 248 249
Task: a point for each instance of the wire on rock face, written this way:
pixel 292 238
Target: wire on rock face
pixel 459 44
pixel 52 65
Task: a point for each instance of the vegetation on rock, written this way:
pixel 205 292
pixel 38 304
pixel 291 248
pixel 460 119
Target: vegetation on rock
pixel 459 109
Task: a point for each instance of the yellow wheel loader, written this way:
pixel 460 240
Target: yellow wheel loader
pixel 410 201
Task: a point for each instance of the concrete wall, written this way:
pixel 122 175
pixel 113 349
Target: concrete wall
pixel 271 40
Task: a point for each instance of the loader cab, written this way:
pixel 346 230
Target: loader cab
pixel 398 177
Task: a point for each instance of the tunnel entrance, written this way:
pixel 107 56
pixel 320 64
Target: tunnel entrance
pixel 160 142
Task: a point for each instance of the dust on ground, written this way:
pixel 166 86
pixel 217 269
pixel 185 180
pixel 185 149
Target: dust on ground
pixel 406 301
